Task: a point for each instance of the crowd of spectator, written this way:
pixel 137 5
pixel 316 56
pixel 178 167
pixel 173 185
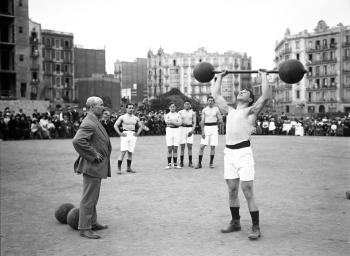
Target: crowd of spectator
pixel 64 124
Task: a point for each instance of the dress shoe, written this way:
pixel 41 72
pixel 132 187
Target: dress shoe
pixel 99 226
pixel 211 165
pixel 89 234
pixel 255 234
pixel 235 225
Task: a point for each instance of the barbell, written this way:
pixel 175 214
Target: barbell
pixel 290 71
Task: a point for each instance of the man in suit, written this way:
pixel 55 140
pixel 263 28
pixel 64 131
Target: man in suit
pixel 93 145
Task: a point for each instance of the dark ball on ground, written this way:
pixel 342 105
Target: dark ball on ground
pixel 62 211
pixel 73 218
pixel 347 194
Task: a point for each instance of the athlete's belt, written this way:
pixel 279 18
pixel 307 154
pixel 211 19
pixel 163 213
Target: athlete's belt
pixel 243 144
pixel 186 125
pixel 128 130
pixel 210 124
pixel 173 126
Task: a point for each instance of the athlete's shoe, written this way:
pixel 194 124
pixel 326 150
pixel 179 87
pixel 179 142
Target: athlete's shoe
pixel 190 165
pixel 211 165
pixel 181 165
pixel 129 170
pixel 119 171
pixel 235 225
pixel 198 166
pixel 255 234
pixel 177 166
pixel 168 166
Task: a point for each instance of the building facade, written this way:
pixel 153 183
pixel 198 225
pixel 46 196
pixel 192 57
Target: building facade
pixel 88 62
pixel 58 66
pixel 325 54
pixel 14 49
pixel 167 71
pixel 133 79
pixel 106 87
pixel 36 61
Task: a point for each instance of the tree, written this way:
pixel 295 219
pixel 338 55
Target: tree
pixel 176 96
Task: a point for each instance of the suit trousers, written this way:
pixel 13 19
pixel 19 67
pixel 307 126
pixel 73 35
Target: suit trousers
pixel 91 193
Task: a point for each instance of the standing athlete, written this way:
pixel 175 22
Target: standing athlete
pixel 172 134
pixel 211 116
pixel 188 117
pixel 128 136
pixel 238 160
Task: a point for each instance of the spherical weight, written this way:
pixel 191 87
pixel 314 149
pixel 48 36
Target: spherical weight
pixel 73 218
pixel 62 211
pixel 291 71
pixel 203 72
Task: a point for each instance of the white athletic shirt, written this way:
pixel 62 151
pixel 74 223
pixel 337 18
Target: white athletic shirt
pixel 238 128
pixel 186 116
pixel 210 114
pixel 128 122
pixel 172 117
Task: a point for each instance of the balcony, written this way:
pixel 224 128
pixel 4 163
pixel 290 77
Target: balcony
pixel 346 58
pixel 320 62
pixel 34 53
pixel 286 50
pixel 346 71
pixel 321 48
pixel 346 44
pixel 33 40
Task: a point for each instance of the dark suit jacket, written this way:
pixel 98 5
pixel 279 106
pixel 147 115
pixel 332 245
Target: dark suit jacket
pixel 90 139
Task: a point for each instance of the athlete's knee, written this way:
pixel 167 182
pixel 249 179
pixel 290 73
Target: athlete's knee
pixel 247 189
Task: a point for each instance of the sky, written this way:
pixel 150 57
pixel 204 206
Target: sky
pixel 127 29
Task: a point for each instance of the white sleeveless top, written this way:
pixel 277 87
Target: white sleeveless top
pixel 186 116
pixel 238 128
pixel 210 114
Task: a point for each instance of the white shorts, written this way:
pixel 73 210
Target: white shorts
pixel 172 136
pixel 128 143
pixel 239 164
pixel 184 135
pixel 211 136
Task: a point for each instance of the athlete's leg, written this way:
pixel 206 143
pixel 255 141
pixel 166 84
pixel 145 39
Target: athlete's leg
pixel 233 186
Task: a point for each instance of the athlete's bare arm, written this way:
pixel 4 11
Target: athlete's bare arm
pixel 116 126
pixel 264 98
pixel 219 116
pixel 202 124
pixel 140 125
pixel 216 93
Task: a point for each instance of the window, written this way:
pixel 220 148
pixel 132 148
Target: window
pixel 58 81
pixel 347 38
pixel 318 44
pixel 310 44
pixel 67 82
pixel 21 57
pixel 287 109
pixel 65 68
pixel 57 43
pixel 324 43
pixel 347 80
pixel 174 63
pixel 66 43
pixel 48 67
pixel 23 89
pixel 297 44
pixel 310 96
pixel 53 54
pixel 347 53
pixel 318 57
pixel 332 44
pixel 325 82
pixel 310 71
pixel 48 42
pixel 34 75
pixel 332 82
pixel 331 55
pixel 20 30
pixel 325 56
pixel 57 55
pixel 298 56
pixel 20 3
pixel 325 70
pixel 297 94
pixel 58 67
pixel 317 81
pixel 310 57
pixel 317 70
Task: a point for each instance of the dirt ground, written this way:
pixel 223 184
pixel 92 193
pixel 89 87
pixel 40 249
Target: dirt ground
pixel 300 188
